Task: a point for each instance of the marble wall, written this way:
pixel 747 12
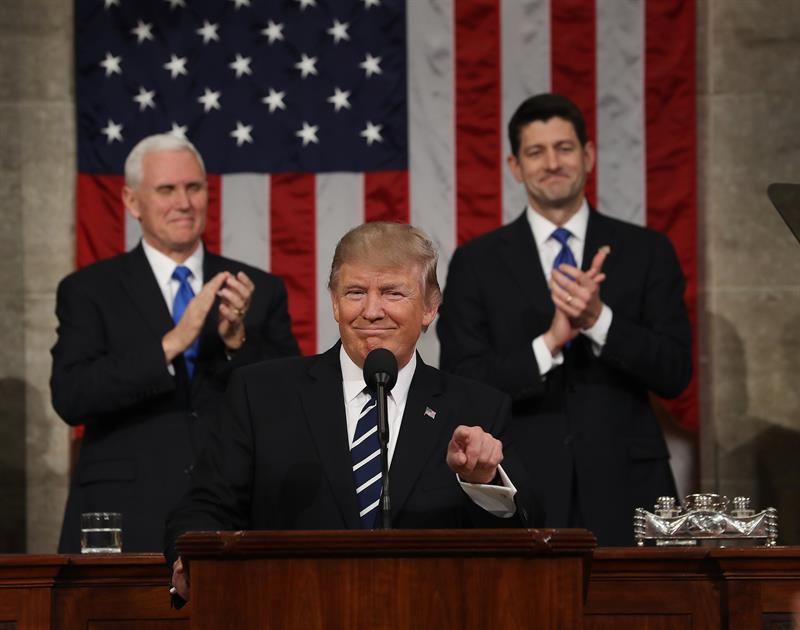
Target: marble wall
pixel 749 123
pixel 37 164
pixel 749 118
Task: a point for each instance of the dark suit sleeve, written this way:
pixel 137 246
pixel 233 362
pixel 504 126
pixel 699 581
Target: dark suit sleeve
pixel 87 378
pixel 464 331
pixel 221 490
pixel 656 349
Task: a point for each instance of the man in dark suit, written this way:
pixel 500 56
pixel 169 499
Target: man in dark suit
pixel 286 452
pixel 142 361
pixel 577 316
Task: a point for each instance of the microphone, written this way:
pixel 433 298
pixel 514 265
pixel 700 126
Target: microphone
pixel 380 368
pixel 380 375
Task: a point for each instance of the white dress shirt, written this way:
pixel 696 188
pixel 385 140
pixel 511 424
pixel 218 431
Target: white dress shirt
pixel 497 500
pixel 549 248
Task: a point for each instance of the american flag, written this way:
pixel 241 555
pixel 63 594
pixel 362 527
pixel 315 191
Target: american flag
pixel 316 115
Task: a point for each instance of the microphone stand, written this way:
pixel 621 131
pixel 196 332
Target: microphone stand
pixel 383 436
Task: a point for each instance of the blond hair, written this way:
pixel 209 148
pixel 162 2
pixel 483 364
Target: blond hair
pixel 390 245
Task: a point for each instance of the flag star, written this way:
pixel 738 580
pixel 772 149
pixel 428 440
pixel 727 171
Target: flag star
pixel 274 100
pixel 178 130
pixel 273 32
pixel 371 65
pixel 339 31
pixel 210 99
pixel 308 133
pixel 112 131
pixel 176 66
pixel 111 64
pixel 306 65
pixel 372 133
pixel 241 3
pixel 371 3
pixel 107 4
pixel 241 65
pixel 339 99
pixel 306 3
pixel 174 4
pixel 145 98
pixel 208 32
pixel 242 133
pixel 143 31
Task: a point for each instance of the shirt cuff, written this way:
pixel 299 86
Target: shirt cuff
pixel 599 332
pixel 544 359
pixel 497 500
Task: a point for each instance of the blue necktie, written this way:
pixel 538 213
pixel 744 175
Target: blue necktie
pixel 183 296
pixel 366 454
pixel 565 255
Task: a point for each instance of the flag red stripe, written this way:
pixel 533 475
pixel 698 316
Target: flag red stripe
pixel 478 114
pixel 573 63
pixel 100 218
pixel 386 196
pixel 212 235
pixel 671 153
pixel 293 245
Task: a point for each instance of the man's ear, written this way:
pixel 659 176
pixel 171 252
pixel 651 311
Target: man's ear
pixel 589 155
pixel 335 305
pixel 514 166
pixel 131 202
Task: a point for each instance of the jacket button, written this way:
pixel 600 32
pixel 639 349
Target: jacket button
pixel 568 440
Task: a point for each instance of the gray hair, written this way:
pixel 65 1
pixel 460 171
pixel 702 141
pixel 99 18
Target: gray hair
pixel 391 245
pixel 153 144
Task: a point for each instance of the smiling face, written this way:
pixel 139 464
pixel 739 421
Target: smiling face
pixel 553 166
pixel 170 202
pixel 380 308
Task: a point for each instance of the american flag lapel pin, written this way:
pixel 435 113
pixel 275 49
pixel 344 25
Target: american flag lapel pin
pixel 430 413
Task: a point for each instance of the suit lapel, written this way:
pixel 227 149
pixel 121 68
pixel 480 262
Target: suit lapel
pixel 323 405
pixel 141 284
pixel 420 435
pixel 521 256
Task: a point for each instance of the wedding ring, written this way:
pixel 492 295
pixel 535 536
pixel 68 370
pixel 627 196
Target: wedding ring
pixel 238 312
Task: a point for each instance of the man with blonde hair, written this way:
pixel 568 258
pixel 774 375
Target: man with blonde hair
pixel 285 455
pixel 146 342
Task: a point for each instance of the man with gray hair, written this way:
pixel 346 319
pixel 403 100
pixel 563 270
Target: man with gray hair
pixel 291 445
pixel 146 343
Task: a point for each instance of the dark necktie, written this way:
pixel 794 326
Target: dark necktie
pixel 565 255
pixel 366 454
pixel 183 296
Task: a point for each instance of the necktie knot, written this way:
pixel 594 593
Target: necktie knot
pixel 561 235
pixel 181 273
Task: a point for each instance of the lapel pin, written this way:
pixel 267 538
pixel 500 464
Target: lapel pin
pixel 430 413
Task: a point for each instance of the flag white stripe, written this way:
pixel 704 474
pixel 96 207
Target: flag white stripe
pixel 340 207
pixel 367 484
pixel 245 218
pixel 369 458
pixel 620 110
pixel 431 135
pixel 525 56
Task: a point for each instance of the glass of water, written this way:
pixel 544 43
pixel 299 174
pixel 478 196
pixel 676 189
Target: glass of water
pixel 101 532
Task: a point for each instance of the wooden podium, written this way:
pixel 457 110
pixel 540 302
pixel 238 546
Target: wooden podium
pixel 461 579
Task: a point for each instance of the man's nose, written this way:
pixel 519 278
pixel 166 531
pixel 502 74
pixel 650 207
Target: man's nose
pixel 551 159
pixel 373 306
pixel 182 198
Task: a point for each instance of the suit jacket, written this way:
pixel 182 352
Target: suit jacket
pixel 144 426
pixel 280 457
pixel 589 421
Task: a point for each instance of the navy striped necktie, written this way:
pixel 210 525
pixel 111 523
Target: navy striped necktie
pixel 366 454
pixel 183 296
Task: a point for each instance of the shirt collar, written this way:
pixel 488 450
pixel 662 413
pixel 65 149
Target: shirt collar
pixel 542 228
pixel 353 378
pixel 163 266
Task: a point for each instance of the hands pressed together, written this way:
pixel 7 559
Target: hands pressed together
pixel 235 293
pixel 576 295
